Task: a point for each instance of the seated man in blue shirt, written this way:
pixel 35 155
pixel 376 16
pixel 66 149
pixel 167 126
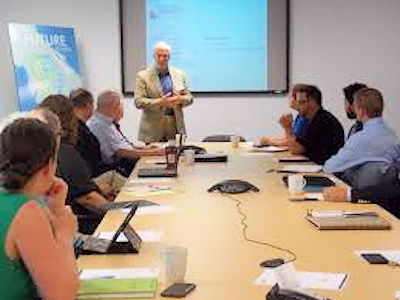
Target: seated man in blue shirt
pixel 114 145
pixel 298 126
pixel 375 143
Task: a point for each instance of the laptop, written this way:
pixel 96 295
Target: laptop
pixel 87 244
pixel 163 171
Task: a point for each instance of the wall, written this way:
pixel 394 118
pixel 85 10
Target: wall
pixel 333 43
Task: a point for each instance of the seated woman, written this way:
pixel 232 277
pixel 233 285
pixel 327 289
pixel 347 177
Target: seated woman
pixel 36 228
pixel 298 126
pixel 84 195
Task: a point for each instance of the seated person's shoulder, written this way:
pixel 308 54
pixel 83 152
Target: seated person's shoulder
pixel 328 118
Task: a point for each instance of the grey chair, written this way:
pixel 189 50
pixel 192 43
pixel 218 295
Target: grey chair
pixel 371 174
pixel 221 138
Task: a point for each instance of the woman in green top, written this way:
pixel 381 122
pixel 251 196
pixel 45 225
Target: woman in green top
pixel 36 228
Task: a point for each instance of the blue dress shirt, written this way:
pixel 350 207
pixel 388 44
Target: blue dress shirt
pixel 300 126
pixel 375 143
pixel 110 138
pixel 166 87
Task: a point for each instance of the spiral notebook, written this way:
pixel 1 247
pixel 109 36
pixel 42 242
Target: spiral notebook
pixel 341 220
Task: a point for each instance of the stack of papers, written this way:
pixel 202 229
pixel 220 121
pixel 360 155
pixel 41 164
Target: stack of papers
pixel 308 197
pixel 269 149
pixel 117 283
pixel 301 168
pixel 140 190
pixel 311 280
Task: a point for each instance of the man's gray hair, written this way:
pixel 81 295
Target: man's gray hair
pixel 162 46
pixel 108 98
pixel 371 100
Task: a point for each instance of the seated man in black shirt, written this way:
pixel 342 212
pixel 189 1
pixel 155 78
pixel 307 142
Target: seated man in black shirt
pixel 325 134
pixel 88 145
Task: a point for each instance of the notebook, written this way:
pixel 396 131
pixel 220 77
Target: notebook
pixel 329 220
pixel 115 283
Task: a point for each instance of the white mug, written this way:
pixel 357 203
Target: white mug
pixel 296 184
pixel 175 259
pixel 189 156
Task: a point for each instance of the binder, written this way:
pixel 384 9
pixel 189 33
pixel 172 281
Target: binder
pixel 349 221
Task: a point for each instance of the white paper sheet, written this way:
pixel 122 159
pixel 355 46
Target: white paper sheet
pixel 301 168
pixel 326 213
pixel 141 190
pixel 149 180
pixel 149 235
pixel 269 149
pixel 151 210
pixel 318 196
pixel 311 280
pixel 389 254
pixel 119 273
pixel 397 294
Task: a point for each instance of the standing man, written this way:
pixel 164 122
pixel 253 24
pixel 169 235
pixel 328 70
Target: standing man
pixel 161 92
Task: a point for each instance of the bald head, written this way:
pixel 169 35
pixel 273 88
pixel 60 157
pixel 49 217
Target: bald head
pixel 109 104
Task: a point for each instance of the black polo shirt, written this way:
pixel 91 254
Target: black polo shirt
pixel 324 137
pixel 88 147
pixel 76 173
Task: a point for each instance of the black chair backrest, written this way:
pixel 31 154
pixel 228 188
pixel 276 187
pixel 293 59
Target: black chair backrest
pixel 221 138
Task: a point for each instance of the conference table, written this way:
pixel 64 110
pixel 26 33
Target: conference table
pixel 221 262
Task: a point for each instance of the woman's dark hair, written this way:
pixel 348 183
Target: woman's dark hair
pixel 80 97
pixel 26 145
pixel 63 108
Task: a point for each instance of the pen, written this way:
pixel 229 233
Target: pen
pixel 343 281
pixel 360 214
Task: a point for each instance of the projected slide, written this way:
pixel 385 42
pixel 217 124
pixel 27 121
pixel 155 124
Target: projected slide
pixel 221 45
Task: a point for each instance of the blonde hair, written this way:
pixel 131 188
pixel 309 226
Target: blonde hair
pixel 371 100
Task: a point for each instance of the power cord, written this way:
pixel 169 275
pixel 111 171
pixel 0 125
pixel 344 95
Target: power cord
pixel 239 204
